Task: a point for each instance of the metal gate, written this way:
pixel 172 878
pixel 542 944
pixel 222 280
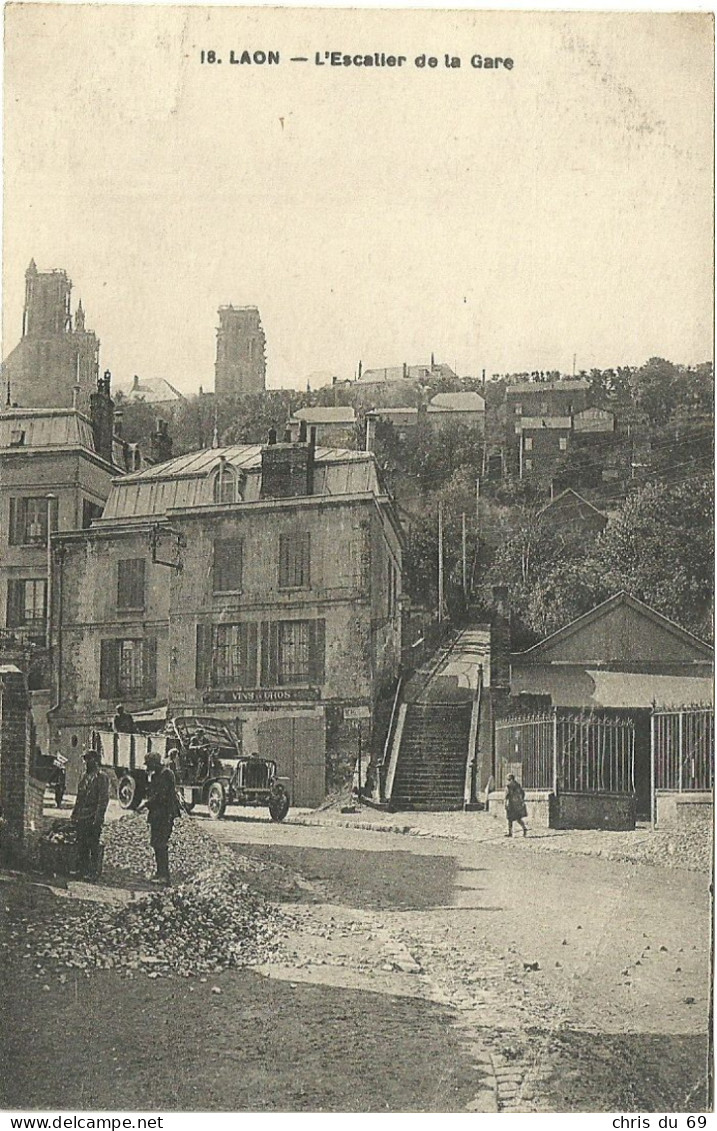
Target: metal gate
pixel 683 745
pixel 567 752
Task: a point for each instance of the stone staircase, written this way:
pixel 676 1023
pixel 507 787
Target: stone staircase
pixel 431 767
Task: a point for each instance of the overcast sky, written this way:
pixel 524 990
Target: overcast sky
pixel 505 220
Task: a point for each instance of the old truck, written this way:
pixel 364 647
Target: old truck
pixel 206 758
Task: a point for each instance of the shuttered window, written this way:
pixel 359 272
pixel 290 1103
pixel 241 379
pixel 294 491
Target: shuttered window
pixel 227 573
pixel 28 520
pixel 294 561
pixel 227 655
pixel 293 653
pixel 26 603
pixel 128 669
pixel 130 583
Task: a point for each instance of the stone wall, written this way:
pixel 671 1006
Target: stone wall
pixel 593 811
pixel 21 797
pixel 683 811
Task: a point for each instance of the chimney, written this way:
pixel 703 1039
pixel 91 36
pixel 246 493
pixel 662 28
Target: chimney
pixel 160 442
pixel 286 469
pixel 102 412
pixel 405 369
pixel 311 462
pixel 433 361
pixel 135 384
pixel 360 369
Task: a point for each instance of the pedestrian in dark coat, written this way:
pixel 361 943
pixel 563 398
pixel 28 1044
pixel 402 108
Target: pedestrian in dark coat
pixel 162 811
pixel 88 815
pixel 515 805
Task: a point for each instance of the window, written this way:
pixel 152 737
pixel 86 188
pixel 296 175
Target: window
pixel 90 511
pixel 293 652
pixel 528 465
pixel 528 444
pixel 28 521
pixel 229 655
pixel 227 486
pixel 26 603
pixel 563 443
pixel 17 438
pixel 519 410
pixel 294 557
pixel 227 573
pixel 130 583
pixel 128 669
pixel 392 589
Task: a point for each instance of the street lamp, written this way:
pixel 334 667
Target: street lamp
pixel 48 586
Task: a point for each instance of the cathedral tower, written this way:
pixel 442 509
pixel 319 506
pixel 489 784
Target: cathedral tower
pixel 241 344
pixel 51 356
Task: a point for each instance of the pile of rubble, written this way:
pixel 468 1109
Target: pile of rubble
pixel 191 849
pixel 206 924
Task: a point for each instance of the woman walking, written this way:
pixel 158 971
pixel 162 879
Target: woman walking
pixel 515 805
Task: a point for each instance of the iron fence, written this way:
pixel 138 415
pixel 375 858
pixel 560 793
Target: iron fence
pixel 569 753
pixel 595 754
pixel 524 747
pixel 683 744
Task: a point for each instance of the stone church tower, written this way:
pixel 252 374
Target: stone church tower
pixel 241 344
pixel 53 355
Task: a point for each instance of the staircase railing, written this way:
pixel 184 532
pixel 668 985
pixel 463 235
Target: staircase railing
pixel 383 767
pixel 473 739
pixel 395 748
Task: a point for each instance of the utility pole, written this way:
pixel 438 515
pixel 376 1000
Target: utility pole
pixel 440 562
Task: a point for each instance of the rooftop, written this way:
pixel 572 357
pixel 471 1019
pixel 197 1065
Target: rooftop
pixel 33 429
pixel 326 415
pixel 153 390
pixel 188 480
pixel 457 402
pixel 566 385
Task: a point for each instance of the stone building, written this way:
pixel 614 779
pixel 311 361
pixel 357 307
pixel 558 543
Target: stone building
pixel 256 584
pixel 55 353
pixel 241 352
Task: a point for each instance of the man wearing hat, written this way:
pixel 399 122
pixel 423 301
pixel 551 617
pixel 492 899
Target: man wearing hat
pixel 88 815
pixel 162 811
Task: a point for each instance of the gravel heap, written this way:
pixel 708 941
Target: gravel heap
pixel 202 926
pixel 191 849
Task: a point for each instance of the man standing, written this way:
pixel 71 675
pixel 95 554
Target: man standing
pixel 88 815
pixel 162 810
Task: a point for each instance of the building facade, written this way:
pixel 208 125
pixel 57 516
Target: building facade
pixel 56 361
pixel 241 352
pixel 260 585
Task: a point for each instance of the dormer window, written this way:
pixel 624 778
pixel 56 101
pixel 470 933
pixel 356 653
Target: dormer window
pixel 227 484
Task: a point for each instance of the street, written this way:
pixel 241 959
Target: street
pixel 413 973
pixel 615 955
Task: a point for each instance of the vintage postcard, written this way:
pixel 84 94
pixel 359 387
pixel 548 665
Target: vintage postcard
pixel 356 564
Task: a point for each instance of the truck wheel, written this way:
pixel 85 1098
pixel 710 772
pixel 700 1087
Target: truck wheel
pixel 279 807
pixel 130 792
pixel 216 800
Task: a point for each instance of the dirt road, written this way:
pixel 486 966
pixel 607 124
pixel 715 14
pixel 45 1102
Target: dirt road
pixel 414 974
pixel 587 980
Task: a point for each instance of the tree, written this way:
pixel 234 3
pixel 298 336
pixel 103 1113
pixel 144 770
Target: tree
pixel 659 548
